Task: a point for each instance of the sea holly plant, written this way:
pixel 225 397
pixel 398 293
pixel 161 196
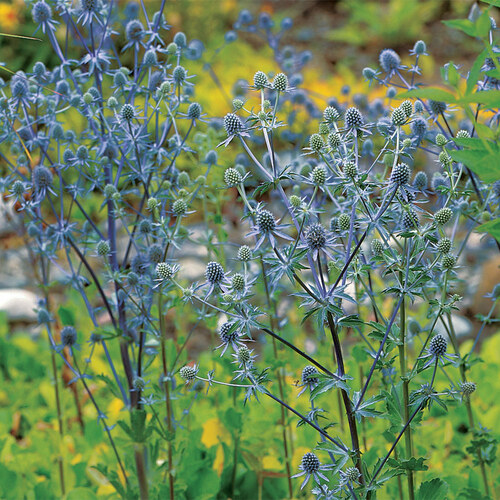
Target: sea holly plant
pixel 357 232
pixel 374 227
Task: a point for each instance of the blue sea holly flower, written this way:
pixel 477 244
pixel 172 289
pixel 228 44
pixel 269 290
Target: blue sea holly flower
pixel 266 226
pixel 310 466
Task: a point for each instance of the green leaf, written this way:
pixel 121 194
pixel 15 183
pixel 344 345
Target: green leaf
pixel 489 98
pixel 483 24
pixel 415 464
pixel 432 93
pixel 475 72
pixel 471 494
pixel 67 316
pixel 434 489
pixel 468 27
pixel 491 227
pixel 81 494
pixel 450 74
pixel 495 3
pixel 484 162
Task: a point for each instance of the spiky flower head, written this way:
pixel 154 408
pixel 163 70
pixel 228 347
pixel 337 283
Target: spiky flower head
pixel 331 115
pixel 323 129
pixel 194 111
pixel 188 373
pixel 444 245
pixel 420 48
pixel 334 140
pixel 155 254
pixel 244 355
pixel 232 124
pixel 238 282
pixel 389 60
pixel 353 118
pixel 463 134
pixel 265 221
pixel 183 179
pixel 180 39
pixel 179 207
pixel 310 463
pixel 68 336
pixel 419 126
pixel 441 140
pixel 344 222
pixel 260 80
pixel 244 253
pixel 377 247
pixel 42 177
pixel 164 271
pixel 316 236
pixel 145 226
pixel 318 175
pixel 309 375
pixel 295 201
pixel 400 174
pixel 232 177
pixel 280 82
pixel 438 345
pixel 238 104
pixel 350 169
pixel 407 107
pixel 18 188
pixel 138 383
pixel 351 474
pixel 211 157
pixel 448 262
pixel 398 117
pixel 437 107
pixel 103 248
pixel 369 73
pixel 443 216
pixel 179 75
pixel 467 388
pixel 316 142
pixel 41 12
pixel 134 31
pixel 420 181
pixel 214 272
pixel 445 159
pixel 227 333
pixel 127 112
pixel 150 58
pixel 410 219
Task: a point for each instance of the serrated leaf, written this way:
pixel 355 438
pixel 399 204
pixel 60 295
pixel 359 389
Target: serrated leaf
pixel 435 489
pixel 414 464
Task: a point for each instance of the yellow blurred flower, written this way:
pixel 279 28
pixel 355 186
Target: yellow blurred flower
pixel 9 19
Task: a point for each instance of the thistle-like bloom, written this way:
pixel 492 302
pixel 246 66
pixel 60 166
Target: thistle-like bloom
pixel 309 379
pixel 436 352
pixel 216 278
pixel 266 226
pixel 311 466
pixel 229 336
